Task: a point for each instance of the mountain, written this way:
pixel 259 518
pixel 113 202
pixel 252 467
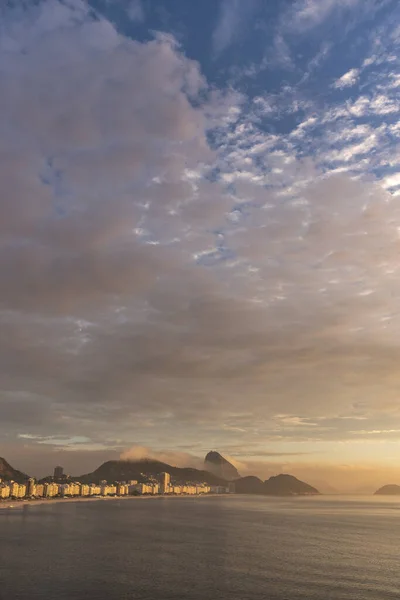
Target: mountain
pixel 388 490
pixel 279 485
pixel 287 485
pixel 8 473
pixel 249 485
pixel 215 463
pixel 125 470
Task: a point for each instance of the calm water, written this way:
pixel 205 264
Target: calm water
pixel 203 548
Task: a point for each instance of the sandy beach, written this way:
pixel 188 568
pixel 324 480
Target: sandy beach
pixel 15 504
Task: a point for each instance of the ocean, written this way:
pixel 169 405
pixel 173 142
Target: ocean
pixel 238 547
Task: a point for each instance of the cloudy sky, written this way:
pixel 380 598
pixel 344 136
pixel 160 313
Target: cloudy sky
pixel 200 234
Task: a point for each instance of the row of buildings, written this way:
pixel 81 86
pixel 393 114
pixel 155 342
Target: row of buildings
pixel 160 485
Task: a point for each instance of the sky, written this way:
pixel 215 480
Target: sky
pixel 200 235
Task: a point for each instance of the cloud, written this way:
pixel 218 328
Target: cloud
pixel 392 181
pixel 307 14
pixel 174 458
pixel 173 272
pixel 280 54
pixel 348 79
pixel 135 11
pixel 232 19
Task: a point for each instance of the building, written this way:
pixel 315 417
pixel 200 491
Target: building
pixel 203 488
pixel 51 490
pixel 84 489
pixel 39 491
pixel 219 489
pixel 122 489
pixel 58 473
pixel 5 490
pixel 165 481
pixel 70 489
pixel 17 490
pixel 108 490
pixel 31 488
pixel 94 490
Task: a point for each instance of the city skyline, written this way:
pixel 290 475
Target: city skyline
pixel 161 485
pixel 200 229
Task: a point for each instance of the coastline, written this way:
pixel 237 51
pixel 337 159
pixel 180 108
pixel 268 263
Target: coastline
pixel 10 504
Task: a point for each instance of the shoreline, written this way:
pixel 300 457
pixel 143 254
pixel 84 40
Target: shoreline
pixel 10 504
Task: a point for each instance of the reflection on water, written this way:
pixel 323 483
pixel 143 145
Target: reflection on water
pixel 200 548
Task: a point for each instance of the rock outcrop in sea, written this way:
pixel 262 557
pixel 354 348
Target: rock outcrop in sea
pixel 388 490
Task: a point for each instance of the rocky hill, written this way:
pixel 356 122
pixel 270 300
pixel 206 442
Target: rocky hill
pixel 287 485
pixel 279 485
pixel 8 473
pixel 249 485
pixel 215 463
pixel 125 470
pixel 388 490
pixel 141 470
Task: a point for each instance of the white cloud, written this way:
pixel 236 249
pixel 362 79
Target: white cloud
pixel 348 79
pixel 395 80
pixel 310 13
pixel 369 61
pixel 392 181
pixel 348 153
pixel 383 105
pixel 304 126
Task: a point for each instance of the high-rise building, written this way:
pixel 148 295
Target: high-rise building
pixel 39 490
pixel 31 488
pixel 165 479
pixel 58 473
pixel 17 490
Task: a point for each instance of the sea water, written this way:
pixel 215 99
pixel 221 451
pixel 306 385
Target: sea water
pixel 238 547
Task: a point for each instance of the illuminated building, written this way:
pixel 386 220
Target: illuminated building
pixel 84 489
pixel 39 491
pixel 94 490
pixel 5 490
pixel 108 490
pixel 17 490
pixel 165 479
pixel 122 489
pixel 51 490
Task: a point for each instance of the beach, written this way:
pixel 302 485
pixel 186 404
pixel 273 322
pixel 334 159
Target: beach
pixel 15 504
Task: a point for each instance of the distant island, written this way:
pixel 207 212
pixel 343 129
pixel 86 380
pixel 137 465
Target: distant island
pixel 278 485
pixel 388 490
pixel 149 477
